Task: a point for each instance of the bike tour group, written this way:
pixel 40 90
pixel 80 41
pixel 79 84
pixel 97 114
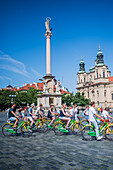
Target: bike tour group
pixel 61 120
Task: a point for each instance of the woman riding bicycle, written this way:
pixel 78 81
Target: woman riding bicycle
pixel 65 116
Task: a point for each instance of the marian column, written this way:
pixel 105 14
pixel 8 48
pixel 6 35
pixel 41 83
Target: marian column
pixel 48 47
pixel 49 95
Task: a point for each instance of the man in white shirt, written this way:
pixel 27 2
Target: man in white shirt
pixel 92 119
pixel 105 114
pixel 40 111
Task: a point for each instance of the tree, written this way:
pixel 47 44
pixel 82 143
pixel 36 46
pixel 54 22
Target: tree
pixel 78 99
pixel 21 99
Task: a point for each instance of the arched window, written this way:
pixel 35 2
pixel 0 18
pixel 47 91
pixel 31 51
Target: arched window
pixel 103 74
pixel 112 96
pixel 97 74
pixel 104 93
pixel 84 78
pixel 97 93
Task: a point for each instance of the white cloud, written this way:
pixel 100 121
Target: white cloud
pixel 35 72
pixel 13 65
pixel 4 77
pixel 10 64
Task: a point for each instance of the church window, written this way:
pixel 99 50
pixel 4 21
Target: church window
pixel 88 94
pixel 98 93
pixel 81 80
pixel 90 77
pixel 98 103
pixel 78 79
pixel 97 74
pixel 103 74
pixel 105 93
pixel 112 96
pixel 84 78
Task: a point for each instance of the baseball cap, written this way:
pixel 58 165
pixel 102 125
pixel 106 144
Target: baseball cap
pixel 32 104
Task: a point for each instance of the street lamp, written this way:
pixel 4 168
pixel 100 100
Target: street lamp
pixel 12 98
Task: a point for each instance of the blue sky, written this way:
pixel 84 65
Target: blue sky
pixel 78 28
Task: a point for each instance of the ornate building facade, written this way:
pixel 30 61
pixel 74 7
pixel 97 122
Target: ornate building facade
pixel 97 84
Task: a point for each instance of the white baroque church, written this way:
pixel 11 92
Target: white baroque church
pixel 97 84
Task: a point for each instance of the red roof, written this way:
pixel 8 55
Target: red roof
pixel 39 85
pixel 3 88
pixel 111 79
pixel 62 91
pixel 26 87
pixel 14 89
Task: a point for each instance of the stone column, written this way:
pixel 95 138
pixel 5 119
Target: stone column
pixel 48 53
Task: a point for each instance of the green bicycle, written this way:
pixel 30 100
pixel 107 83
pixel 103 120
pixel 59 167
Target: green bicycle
pixel 60 127
pixel 39 125
pixel 88 131
pixel 8 128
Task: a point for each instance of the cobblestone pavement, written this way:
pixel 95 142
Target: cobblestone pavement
pixel 48 151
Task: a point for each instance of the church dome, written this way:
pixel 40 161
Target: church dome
pixel 99 58
pixel 81 66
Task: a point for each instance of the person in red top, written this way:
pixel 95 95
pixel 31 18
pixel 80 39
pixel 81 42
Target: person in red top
pixel 101 110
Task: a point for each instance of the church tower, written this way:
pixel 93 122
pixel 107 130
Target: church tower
pixel 81 75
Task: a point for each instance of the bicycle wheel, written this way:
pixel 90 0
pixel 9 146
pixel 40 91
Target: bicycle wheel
pixel 42 126
pixel 24 130
pixel 84 122
pixel 109 132
pixel 58 127
pixel 76 128
pixel 8 129
pixel 88 133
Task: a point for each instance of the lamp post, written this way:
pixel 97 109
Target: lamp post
pixel 12 98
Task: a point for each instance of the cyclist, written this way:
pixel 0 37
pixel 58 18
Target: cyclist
pixel 71 111
pixel 19 112
pixel 51 115
pixel 13 116
pixel 92 119
pixel 24 113
pixel 40 111
pixel 86 114
pixel 105 115
pixel 30 115
pixel 76 113
pixel 65 116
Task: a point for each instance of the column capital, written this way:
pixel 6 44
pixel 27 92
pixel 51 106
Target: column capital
pixel 48 35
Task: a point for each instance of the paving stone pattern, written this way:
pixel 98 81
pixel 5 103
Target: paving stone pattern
pixel 48 151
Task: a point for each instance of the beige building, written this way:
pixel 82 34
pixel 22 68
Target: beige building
pixel 97 84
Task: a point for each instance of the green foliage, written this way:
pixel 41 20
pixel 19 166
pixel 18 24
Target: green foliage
pixel 21 99
pixel 77 99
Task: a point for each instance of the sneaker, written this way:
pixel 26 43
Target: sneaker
pixel 67 128
pixel 50 125
pixel 100 137
pixel 30 130
pixel 15 129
